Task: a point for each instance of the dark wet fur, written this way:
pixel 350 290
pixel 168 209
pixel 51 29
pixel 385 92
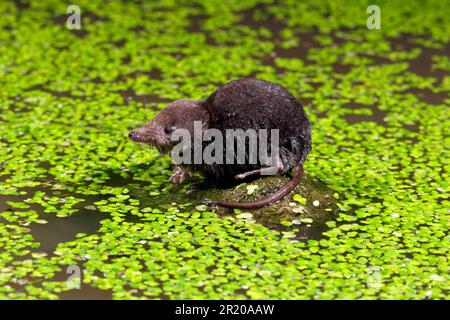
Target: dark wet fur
pixel 258 104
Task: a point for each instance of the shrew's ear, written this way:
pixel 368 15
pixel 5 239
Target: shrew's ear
pixel 202 113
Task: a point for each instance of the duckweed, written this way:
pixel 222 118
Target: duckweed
pixel 75 193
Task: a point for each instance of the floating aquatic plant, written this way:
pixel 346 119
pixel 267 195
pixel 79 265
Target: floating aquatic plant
pixel 380 139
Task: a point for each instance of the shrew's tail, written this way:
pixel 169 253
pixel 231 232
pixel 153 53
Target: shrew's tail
pixel 278 195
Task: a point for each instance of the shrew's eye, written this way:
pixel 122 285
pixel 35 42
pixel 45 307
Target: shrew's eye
pixel 168 130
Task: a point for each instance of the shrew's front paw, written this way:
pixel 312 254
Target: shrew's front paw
pixel 179 176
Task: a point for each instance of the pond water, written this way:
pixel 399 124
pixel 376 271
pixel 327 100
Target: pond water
pixel 75 193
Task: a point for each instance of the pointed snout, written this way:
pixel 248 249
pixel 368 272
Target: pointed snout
pixel 135 136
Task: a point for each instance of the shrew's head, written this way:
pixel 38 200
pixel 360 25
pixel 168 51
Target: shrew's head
pixel 180 114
